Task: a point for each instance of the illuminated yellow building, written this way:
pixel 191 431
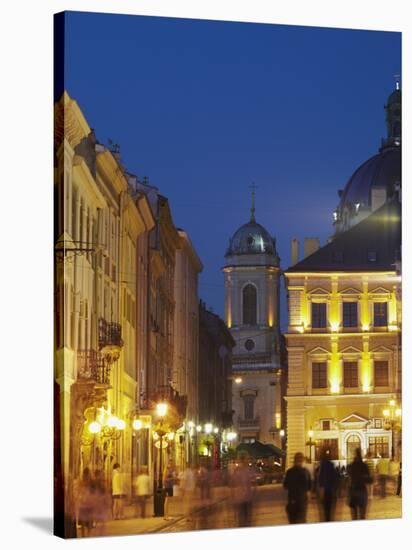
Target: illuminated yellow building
pixel 343 338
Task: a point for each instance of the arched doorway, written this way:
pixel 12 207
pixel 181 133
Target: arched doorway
pixel 352 443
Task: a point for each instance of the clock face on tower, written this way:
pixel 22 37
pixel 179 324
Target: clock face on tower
pixel 249 344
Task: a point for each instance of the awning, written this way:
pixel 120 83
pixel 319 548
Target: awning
pixel 259 450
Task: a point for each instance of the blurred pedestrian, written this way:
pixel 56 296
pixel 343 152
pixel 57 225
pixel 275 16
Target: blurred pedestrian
pixel 359 478
pixel 85 503
pixel 399 487
pixel 203 483
pixel 142 491
pixel 328 480
pixel 101 503
pixel 169 479
pixel 243 493
pixel 117 492
pixel 371 466
pixel 382 469
pixel 188 490
pixel 393 474
pixel 298 483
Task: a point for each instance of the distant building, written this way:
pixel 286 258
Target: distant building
pixel 252 274
pixel 344 333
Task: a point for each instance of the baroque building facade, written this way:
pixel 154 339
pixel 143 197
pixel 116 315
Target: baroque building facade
pixel 252 280
pixel 344 333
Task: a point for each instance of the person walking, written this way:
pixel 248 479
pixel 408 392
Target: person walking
pixel 243 493
pixel 298 483
pixel 359 478
pixel 327 483
pixel 393 474
pixel 142 491
pixel 117 492
pixel 371 466
pixel 85 503
pixel 382 469
pixel 399 488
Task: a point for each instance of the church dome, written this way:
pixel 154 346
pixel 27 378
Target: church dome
pixel 378 179
pixel 382 170
pixel 251 238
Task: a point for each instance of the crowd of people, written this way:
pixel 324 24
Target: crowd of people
pixel 324 482
pixel 358 482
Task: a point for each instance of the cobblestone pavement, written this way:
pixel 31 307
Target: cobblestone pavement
pixel 268 509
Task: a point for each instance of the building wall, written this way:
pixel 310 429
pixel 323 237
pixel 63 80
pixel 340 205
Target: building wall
pixel 308 407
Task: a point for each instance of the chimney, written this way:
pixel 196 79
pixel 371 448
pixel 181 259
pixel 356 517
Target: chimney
pixel 310 246
pixel 294 251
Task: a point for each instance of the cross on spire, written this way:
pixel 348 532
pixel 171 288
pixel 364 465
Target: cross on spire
pixel 397 78
pixel 252 209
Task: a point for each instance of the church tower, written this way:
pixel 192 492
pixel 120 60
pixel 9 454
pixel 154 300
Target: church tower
pixel 252 280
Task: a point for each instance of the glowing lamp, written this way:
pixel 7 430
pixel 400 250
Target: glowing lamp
pixel 208 428
pixel 191 424
pixel 398 412
pixel 112 421
pixel 310 433
pixel 121 424
pixel 155 436
pixel 238 380
pixel 198 428
pixel 385 412
pixel 392 402
pixel 161 409
pixel 231 436
pixel 171 436
pixel 334 326
pixel 216 430
pixel 94 427
pixel 365 327
pixel 282 433
pixel 137 424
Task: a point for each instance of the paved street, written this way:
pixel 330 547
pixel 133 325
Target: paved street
pixel 269 509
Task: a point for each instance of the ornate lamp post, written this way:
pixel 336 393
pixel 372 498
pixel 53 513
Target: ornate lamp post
pixel 392 415
pixel 159 499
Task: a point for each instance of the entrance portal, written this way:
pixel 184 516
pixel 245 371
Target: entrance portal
pixel 352 443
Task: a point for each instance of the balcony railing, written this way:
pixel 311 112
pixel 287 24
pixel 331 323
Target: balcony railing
pixel 92 367
pixel 249 422
pixel 149 399
pixel 110 334
pixel 252 359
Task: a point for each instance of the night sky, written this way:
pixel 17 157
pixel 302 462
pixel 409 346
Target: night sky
pixel 203 108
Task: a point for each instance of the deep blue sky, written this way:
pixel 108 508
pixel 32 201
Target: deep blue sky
pixel 203 108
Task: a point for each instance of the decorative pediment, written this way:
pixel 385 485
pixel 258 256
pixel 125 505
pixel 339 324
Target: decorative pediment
pixel 380 290
pixel 319 292
pixel 354 418
pixel 318 351
pixel 350 291
pixel 350 349
pixel 381 349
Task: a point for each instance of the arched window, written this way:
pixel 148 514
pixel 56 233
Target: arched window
pixel 249 305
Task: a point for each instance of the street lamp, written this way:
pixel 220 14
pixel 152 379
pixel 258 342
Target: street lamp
pixel 159 501
pixel 392 415
pixel 310 443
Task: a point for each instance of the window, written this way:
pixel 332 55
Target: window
pixel 350 314
pixel 249 305
pixel 249 344
pixel 380 314
pixel 319 375
pixel 325 425
pixel 330 446
pixel 350 374
pixel 379 447
pixel 249 401
pixel 378 423
pixel 318 315
pixel 381 373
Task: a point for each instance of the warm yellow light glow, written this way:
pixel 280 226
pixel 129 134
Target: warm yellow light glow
pixel 335 386
pixel 190 424
pixel 137 424
pixel 121 424
pixel 231 436
pixel 94 427
pixel 216 430
pixel 300 329
pixel 385 412
pixel 310 433
pixel 282 433
pixel 198 428
pixel 365 327
pixel 112 421
pixel 155 436
pixel 392 402
pixel 161 409
pixel 208 428
pixel 366 388
pixel 171 436
pixel 392 328
pixel 334 326
pixel 277 420
pixel 238 380
pixel 398 412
